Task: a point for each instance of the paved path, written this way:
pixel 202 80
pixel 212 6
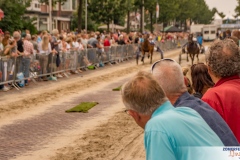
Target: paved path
pixel 32 133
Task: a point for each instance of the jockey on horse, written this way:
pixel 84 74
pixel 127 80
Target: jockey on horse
pixel 190 40
pixel 193 48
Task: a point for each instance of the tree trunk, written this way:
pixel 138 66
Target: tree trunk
pixel 141 19
pixel 151 21
pixel 128 21
pixel 108 23
pixel 80 8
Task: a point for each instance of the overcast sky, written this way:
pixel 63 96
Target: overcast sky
pixel 224 6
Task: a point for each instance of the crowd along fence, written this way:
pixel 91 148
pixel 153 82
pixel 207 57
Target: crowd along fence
pixel 48 65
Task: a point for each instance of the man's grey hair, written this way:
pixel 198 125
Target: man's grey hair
pixel 16 34
pixel 28 36
pixel 143 94
pixel 170 76
pixel 223 58
pixel 55 31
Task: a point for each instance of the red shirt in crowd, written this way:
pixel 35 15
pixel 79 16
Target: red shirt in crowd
pixel 106 43
pixel 224 97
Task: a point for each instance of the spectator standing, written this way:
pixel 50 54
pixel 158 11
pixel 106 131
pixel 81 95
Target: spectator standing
pixel 201 80
pixel 27 56
pixel 176 91
pixel 106 42
pixel 39 36
pixel 44 48
pixel 20 50
pixel 8 55
pixel 223 64
pixel 169 133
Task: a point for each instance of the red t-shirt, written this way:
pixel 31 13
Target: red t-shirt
pixel 106 43
pixel 224 97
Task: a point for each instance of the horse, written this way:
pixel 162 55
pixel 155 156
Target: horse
pixel 192 48
pixel 146 46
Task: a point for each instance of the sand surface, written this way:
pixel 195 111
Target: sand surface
pixel 110 134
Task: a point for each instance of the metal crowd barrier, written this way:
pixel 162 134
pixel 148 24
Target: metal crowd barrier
pixel 45 65
pixel 170 44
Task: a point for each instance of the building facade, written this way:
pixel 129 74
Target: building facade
pixel 61 15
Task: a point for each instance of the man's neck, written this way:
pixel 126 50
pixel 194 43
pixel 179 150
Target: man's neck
pixel 174 98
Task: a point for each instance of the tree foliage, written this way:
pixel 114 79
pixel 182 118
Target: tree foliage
pixel 106 11
pixel 237 9
pixel 13 14
pixel 175 11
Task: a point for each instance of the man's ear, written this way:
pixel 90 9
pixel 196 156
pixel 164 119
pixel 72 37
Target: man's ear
pixel 209 70
pixel 135 115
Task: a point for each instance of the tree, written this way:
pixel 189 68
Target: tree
pixel 106 11
pixel 80 11
pixel 203 15
pixel 13 14
pixel 237 9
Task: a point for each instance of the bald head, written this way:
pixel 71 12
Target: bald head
pixel 169 75
pixel 143 94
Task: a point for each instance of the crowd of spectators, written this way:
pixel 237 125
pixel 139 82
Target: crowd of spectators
pixel 37 49
pixel 175 121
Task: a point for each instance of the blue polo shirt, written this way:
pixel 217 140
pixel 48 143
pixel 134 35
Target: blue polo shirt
pixel 213 119
pixel 178 134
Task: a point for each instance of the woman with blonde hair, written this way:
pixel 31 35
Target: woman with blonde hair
pixel 45 49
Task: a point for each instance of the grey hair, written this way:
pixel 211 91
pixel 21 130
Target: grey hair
pixel 223 58
pixel 170 76
pixel 28 36
pixel 55 31
pixel 16 34
pixel 143 94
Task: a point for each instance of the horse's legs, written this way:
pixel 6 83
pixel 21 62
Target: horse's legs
pixel 187 56
pixel 197 58
pixel 137 57
pixel 143 54
pixel 192 57
pixel 151 55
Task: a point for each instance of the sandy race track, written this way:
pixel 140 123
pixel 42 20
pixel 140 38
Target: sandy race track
pixel 43 131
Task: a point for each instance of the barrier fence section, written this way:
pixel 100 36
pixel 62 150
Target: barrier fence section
pixel 45 66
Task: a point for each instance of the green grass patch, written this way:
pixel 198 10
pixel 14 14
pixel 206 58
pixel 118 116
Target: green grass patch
pixel 117 89
pixel 83 107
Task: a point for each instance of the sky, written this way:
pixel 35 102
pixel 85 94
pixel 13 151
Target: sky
pixel 225 6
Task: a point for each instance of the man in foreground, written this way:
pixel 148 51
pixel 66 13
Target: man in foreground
pixel 169 75
pixel 223 64
pixel 170 133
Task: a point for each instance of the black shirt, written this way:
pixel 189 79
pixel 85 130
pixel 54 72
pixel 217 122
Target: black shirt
pixel 20 46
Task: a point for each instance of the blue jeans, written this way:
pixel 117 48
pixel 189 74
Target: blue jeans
pixel 25 66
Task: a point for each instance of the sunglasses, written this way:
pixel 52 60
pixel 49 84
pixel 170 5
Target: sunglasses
pixel 164 59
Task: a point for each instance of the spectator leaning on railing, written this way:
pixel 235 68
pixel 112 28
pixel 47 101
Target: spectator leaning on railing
pixel 27 56
pixel 8 53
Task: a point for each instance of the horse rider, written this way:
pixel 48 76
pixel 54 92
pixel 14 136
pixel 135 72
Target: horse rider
pixel 152 42
pixel 195 41
pixel 200 41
